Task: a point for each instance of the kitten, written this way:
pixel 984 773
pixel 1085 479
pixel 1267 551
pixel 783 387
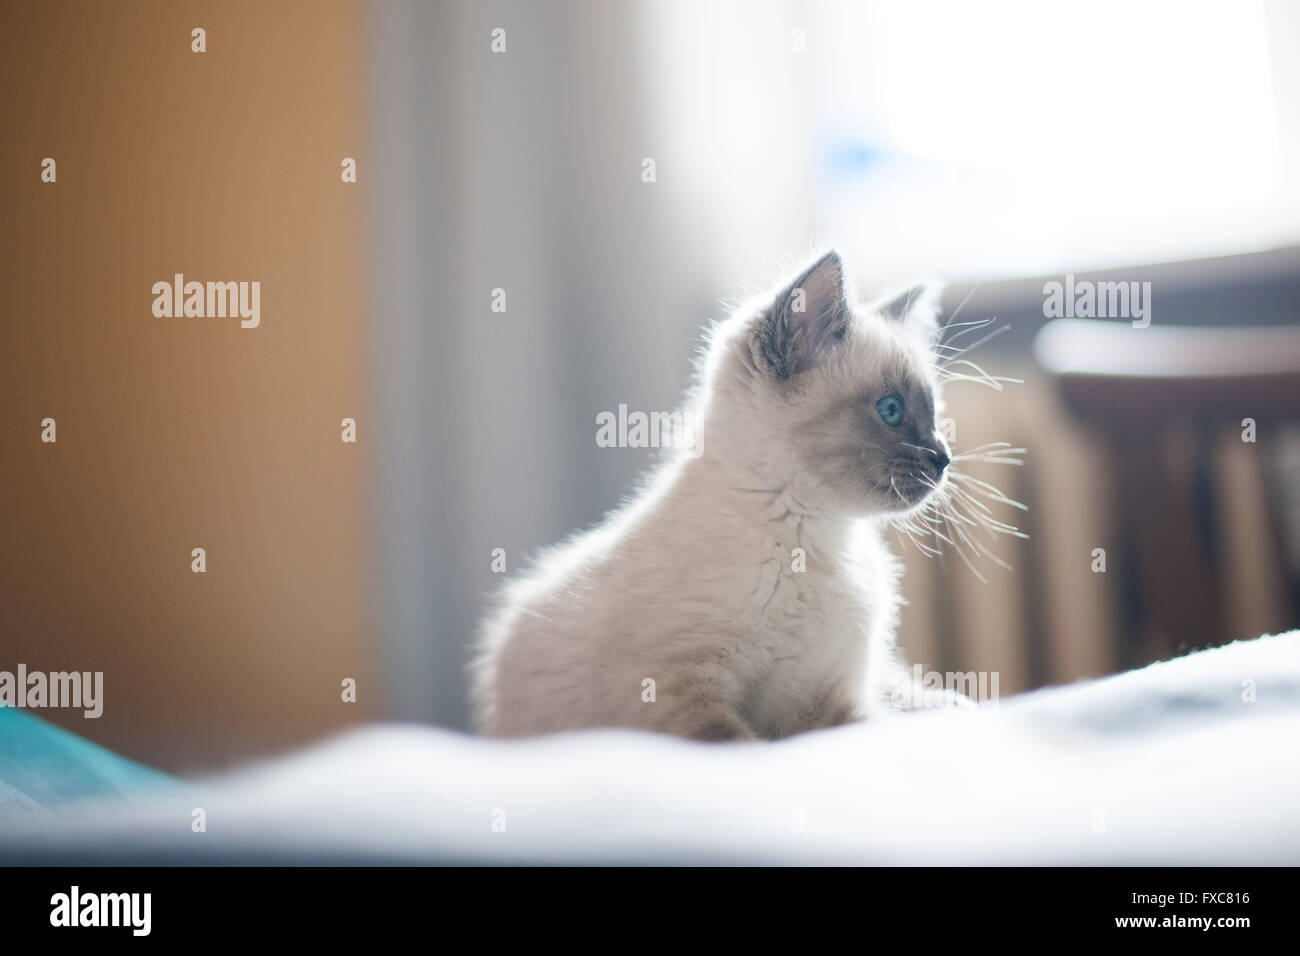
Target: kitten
pixel 747 592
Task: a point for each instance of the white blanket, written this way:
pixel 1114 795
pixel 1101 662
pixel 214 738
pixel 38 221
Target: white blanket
pixel 1195 760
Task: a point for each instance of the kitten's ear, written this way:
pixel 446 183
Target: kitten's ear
pixel 806 319
pixel 916 307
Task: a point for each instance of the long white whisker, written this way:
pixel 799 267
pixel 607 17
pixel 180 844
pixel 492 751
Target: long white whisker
pixel 992 335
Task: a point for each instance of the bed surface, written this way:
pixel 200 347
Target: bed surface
pixel 1171 764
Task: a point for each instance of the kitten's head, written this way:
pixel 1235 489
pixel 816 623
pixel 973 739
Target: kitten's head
pixel 837 401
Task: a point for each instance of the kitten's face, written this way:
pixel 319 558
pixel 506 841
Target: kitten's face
pixel 863 427
pixel 851 394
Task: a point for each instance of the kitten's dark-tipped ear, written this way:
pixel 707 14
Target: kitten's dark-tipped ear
pixel 806 319
pixel 917 307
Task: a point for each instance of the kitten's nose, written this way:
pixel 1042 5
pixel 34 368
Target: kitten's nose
pixel 940 453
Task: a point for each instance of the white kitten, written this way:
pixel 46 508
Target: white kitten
pixel 750 584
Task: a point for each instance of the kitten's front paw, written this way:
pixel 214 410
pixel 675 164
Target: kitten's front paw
pixel 910 695
pixel 948 698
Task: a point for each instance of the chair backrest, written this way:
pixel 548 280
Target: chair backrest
pixel 1138 387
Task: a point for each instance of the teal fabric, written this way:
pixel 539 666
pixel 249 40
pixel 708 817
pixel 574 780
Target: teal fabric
pixel 44 766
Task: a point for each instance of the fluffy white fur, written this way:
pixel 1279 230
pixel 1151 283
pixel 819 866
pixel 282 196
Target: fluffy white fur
pixel 694 583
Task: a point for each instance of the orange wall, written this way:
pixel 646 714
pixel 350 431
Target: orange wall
pixel 176 433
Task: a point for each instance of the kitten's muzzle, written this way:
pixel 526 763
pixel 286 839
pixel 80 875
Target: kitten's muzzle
pixel 935 456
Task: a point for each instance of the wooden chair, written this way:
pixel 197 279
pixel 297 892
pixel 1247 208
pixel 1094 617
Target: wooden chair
pixel 1133 387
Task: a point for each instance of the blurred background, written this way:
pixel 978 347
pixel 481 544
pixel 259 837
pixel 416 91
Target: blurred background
pixel 505 268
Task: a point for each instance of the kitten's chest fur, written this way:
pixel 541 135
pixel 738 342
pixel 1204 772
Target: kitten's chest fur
pixel 821 609
pixel 733 605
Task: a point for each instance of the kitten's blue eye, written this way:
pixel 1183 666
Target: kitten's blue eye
pixel 891 410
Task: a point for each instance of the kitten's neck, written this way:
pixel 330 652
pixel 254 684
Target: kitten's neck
pixel 730 495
